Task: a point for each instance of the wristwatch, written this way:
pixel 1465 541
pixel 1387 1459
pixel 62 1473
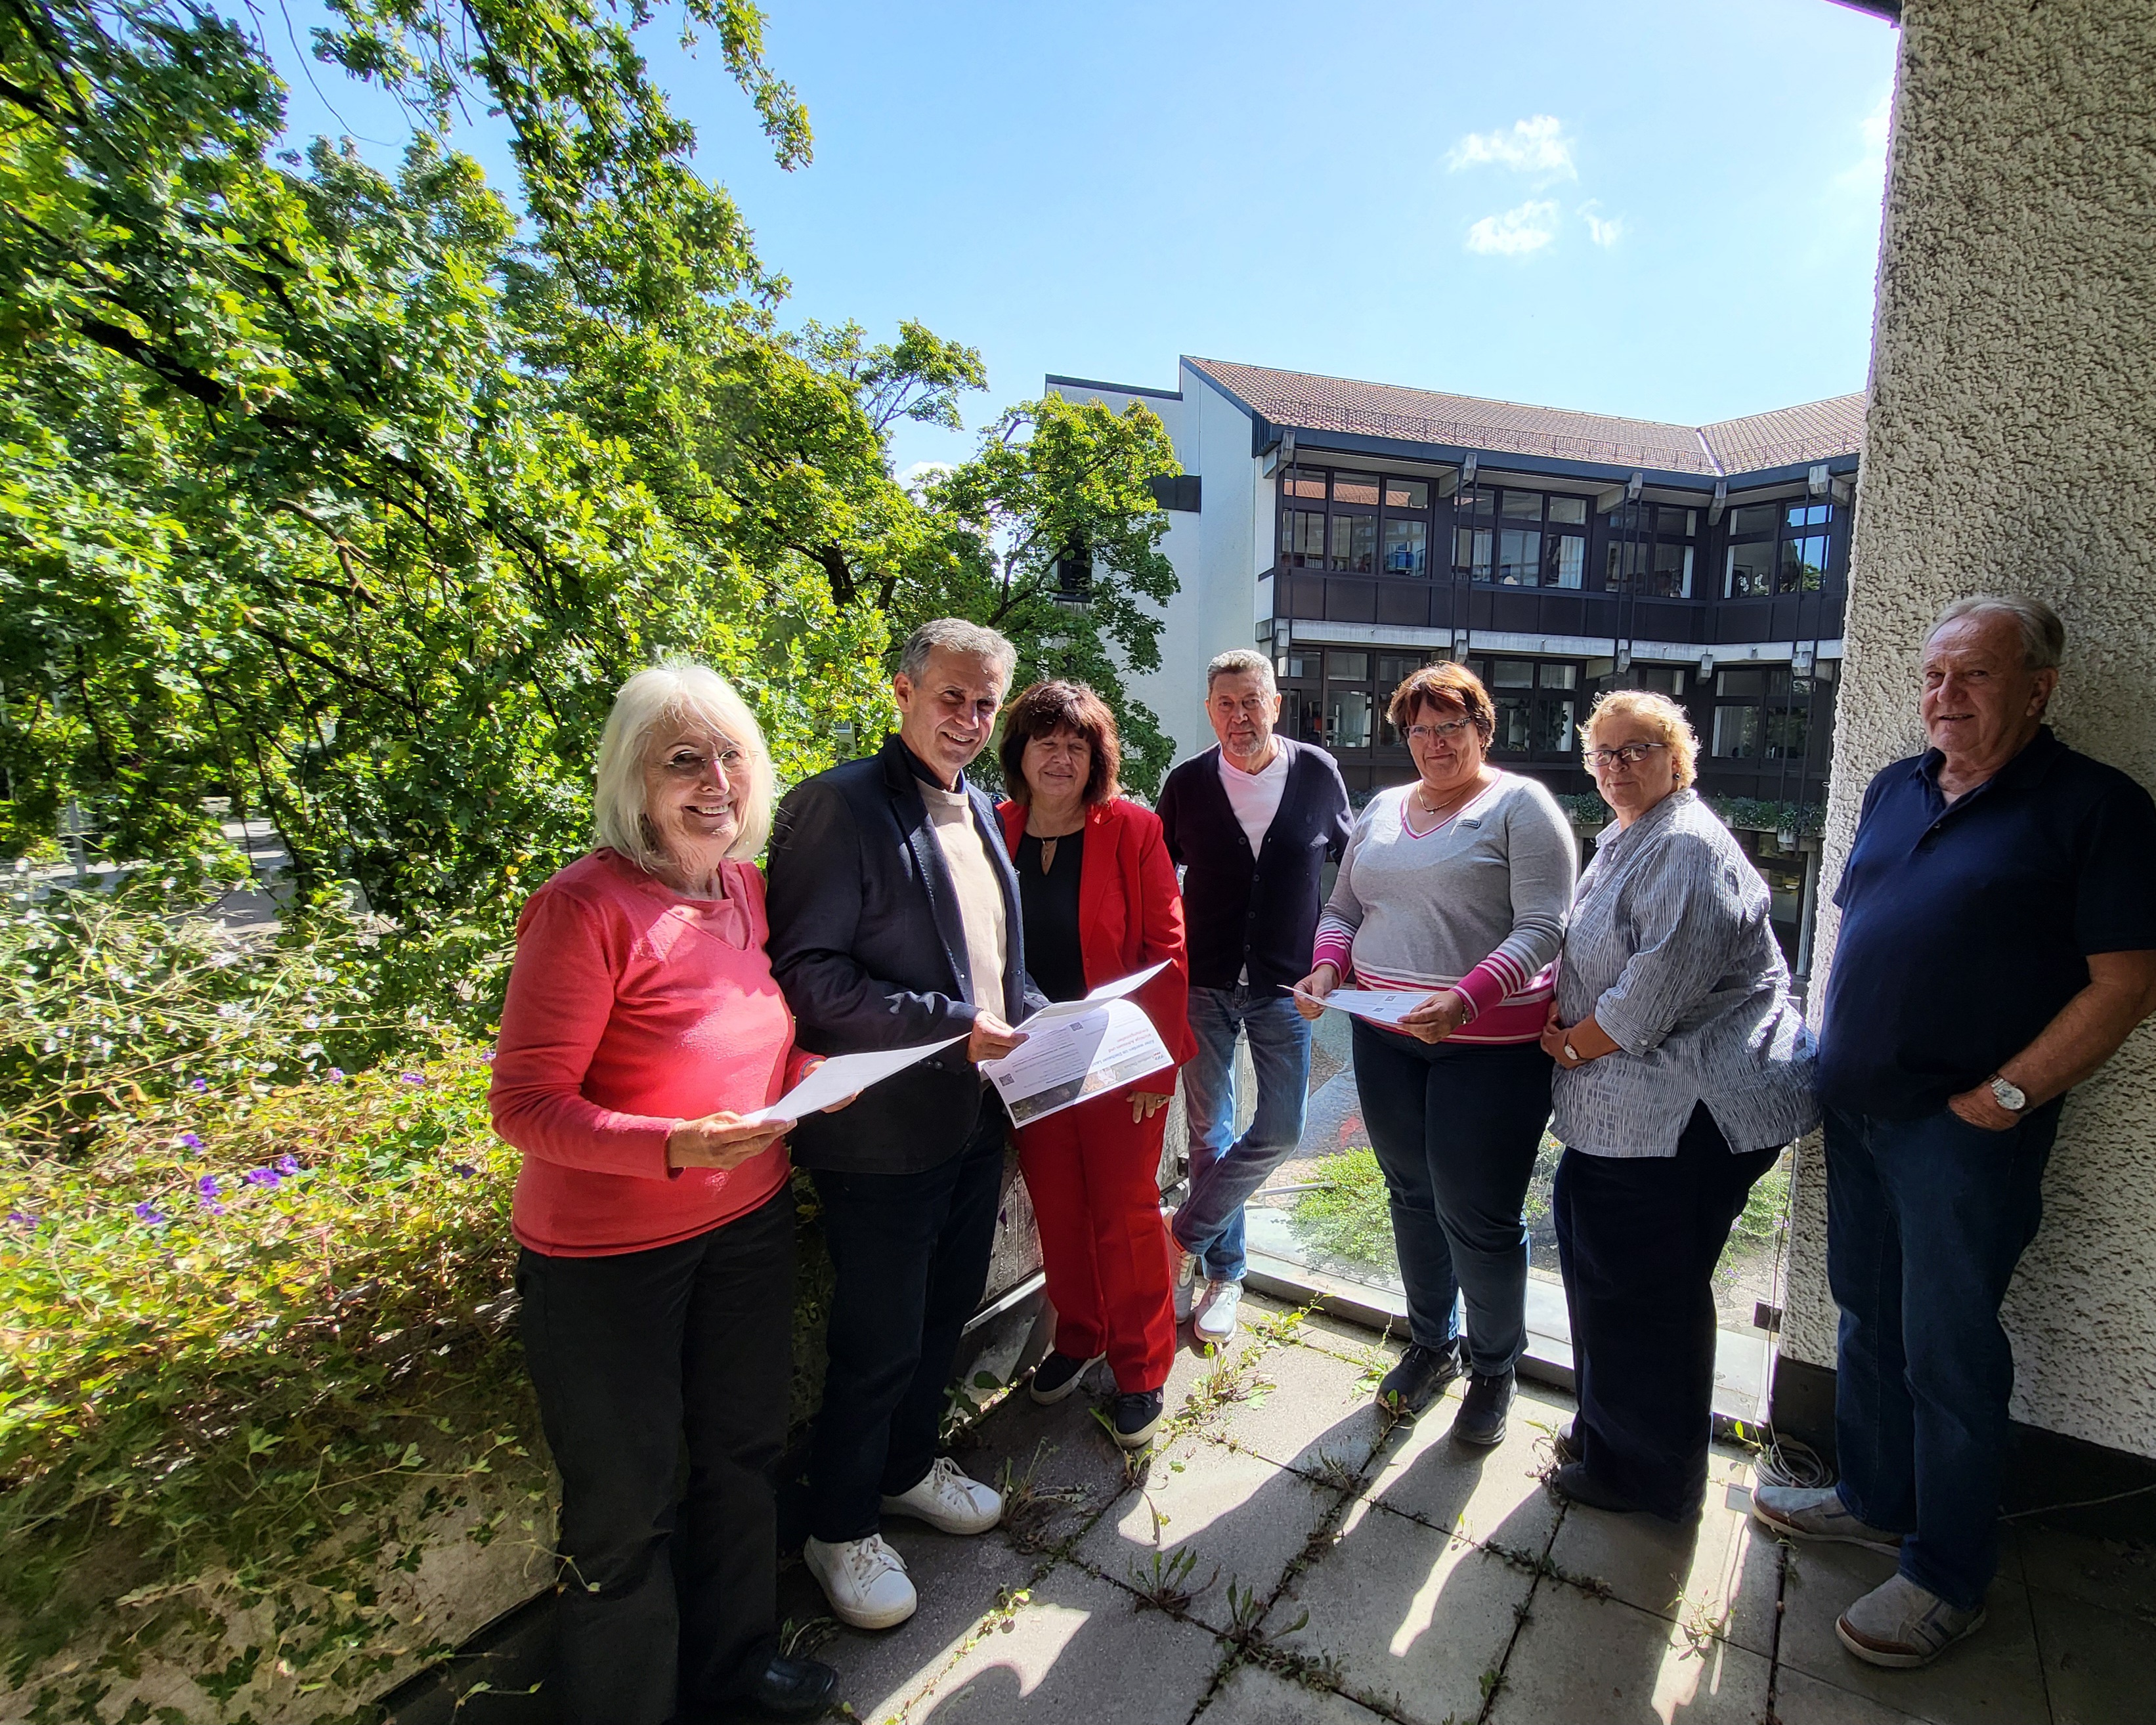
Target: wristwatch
pixel 1570 1052
pixel 2007 1094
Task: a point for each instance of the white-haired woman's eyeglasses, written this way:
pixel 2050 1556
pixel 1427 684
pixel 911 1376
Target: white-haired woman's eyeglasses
pixel 1630 753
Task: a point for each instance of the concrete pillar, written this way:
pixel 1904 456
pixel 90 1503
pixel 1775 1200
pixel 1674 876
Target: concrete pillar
pixel 2011 444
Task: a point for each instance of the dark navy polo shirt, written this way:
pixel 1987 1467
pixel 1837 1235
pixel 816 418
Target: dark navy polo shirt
pixel 1964 930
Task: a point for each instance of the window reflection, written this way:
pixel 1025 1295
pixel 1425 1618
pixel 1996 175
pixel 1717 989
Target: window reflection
pixel 1564 558
pixel 1354 544
pixel 1356 488
pixel 1407 546
pixel 1470 551
pixel 1519 557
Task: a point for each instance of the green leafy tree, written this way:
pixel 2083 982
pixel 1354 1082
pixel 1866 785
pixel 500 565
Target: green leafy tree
pixel 1051 533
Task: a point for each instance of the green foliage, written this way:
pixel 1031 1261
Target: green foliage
pixel 1760 815
pixel 1765 1206
pixel 1349 1216
pixel 253 1359
pixel 1055 541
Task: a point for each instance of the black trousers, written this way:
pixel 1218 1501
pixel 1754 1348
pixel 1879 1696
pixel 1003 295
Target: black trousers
pixel 1638 1239
pixel 910 1254
pixel 1455 1126
pixel 669 1560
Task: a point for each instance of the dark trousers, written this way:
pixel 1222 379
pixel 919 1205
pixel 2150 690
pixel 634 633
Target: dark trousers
pixel 1638 1238
pixel 666 1586
pixel 1455 1128
pixel 1926 1221
pixel 910 1257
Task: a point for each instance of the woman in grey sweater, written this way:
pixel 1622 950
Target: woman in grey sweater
pixel 1684 1067
pixel 1455 887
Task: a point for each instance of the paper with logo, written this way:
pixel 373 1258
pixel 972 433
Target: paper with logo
pixel 1077 1049
pixel 1381 1006
pixel 844 1075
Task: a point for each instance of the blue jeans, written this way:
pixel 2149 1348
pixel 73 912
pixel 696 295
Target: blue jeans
pixel 1926 1221
pixel 1455 1126
pixel 1226 1170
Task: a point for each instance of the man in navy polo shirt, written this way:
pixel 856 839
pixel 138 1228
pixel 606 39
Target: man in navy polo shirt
pixel 1998 943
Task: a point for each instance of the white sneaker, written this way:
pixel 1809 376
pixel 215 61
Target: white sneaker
pixel 1186 1285
pixel 946 1500
pixel 864 1580
pixel 1216 1311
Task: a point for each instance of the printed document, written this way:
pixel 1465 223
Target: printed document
pixel 1077 1049
pixel 844 1075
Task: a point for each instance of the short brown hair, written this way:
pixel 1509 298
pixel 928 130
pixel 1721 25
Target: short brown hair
pixel 1444 684
pixel 1046 708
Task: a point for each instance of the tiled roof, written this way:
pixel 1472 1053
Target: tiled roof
pixel 1810 433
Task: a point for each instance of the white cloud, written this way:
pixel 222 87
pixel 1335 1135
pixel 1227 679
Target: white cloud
pixel 1517 232
pixel 919 475
pixel 1863 180
pixel 1603 230
pixel 1535 146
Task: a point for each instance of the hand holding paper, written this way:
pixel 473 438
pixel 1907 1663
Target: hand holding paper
pixel 840 1077
pixel 1077 1049
pixel 1380 1006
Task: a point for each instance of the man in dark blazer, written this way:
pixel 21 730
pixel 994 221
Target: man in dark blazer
pixel 895 921
pixel 1251 823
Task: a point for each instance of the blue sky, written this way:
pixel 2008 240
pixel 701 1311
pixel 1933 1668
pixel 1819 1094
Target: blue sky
pixel 1666 209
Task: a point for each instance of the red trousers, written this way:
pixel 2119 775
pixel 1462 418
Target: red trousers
pixel 1092 1174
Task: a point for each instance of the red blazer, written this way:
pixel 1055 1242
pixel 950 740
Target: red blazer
pixel 1130 914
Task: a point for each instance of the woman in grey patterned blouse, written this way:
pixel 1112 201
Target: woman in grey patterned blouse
pixel 1684 1067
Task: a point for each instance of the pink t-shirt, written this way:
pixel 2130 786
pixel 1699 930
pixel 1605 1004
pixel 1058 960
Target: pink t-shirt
pixel 631 1008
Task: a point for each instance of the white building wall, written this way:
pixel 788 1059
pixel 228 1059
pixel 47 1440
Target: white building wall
pixel 2009 446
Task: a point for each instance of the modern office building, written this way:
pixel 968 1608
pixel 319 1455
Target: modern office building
pixel 1357 531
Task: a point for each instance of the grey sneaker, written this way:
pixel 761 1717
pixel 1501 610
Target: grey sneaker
pixel 1900 1625
pixel 1817 1512
pixel 1186 1285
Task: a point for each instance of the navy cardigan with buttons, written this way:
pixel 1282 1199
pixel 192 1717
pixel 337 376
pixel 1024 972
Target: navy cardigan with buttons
pixel 1245 912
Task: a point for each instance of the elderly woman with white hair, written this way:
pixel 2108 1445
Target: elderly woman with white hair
pixel 642 1024
pixel 1683 1068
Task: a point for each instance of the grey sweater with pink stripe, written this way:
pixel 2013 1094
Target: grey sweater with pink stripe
pixel 1479 903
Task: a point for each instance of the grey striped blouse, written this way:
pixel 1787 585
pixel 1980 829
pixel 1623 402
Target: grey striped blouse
pixel 1670 947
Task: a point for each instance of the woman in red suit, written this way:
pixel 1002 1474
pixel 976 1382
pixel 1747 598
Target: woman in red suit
pixel 1098 896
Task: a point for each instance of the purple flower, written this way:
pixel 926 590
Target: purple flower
pixel 464 1169
pixel 288 1164
pixel 212 1205
pixel 199 1085
pixel 189 1141
pixel 262 1177
pixel 412 1077
pixel 488 1057
pixel 150 1214
pixel 22 1219
pixel 207 1186
pixel 335 1074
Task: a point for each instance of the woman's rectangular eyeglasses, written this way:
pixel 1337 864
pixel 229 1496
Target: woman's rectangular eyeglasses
pixel 1436 733
pixel 1630 753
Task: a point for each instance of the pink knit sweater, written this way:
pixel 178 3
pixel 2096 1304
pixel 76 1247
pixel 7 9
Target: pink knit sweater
pixel 630 1009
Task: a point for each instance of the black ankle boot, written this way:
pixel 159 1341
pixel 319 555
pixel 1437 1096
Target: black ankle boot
pixel 772 1685
pixel 1418 1379
pixel 1480 1421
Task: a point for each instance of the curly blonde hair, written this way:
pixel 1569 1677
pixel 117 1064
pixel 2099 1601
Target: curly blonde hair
pixel 1665 717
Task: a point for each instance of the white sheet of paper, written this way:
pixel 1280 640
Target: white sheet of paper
pixel 1381 1006
pixel 844 1075
pixel 1066 1059
pixel 1101 996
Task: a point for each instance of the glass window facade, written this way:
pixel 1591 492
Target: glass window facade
pixel 1354 523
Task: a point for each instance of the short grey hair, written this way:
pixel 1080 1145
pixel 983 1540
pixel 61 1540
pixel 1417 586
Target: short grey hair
pixel 954 634
pixel 1241 662
pixel 2043 636
pixel 675 692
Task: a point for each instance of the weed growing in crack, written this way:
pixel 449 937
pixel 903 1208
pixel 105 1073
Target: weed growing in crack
pixel 1164 1583
pixel 800 1641
pixel 1029 1508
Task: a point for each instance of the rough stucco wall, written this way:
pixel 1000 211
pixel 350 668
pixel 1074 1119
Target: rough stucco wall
pixel 2011 443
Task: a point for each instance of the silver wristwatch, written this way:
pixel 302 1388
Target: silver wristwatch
pixel 2007 1094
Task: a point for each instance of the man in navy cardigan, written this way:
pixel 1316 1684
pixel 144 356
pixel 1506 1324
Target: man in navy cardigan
pixel 1251 823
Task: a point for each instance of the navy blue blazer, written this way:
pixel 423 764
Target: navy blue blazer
pixel 868 945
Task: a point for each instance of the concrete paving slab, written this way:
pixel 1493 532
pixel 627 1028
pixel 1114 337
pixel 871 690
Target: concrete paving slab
pixel 1424 1472
pixel 1254 1695
pixel 1318 1418
pixel 1351 1341
pixel 960 1581
pixel 1242 1518
pixel 1800 1700
pixel 1994 1678
pixel 1722 1572
pixel 1063 1469
pixel 1078 1652
pixel 1412 1617
pixel 2119 1575
pixel 2098 1666
pixel 1584 1659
